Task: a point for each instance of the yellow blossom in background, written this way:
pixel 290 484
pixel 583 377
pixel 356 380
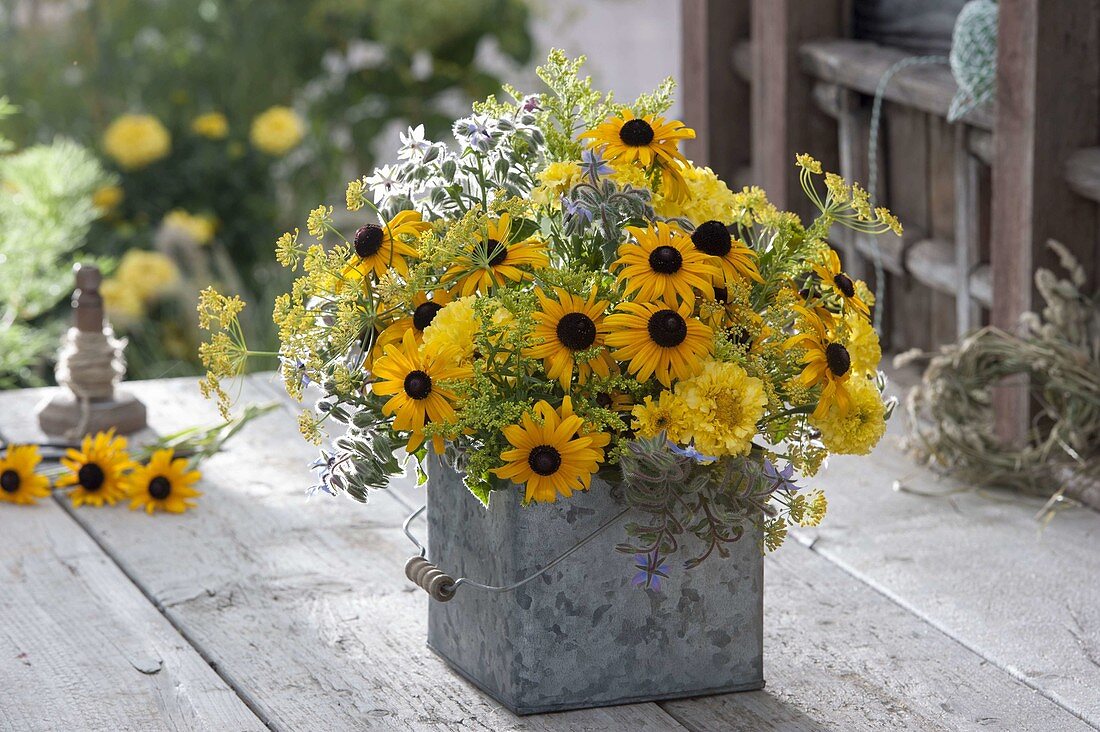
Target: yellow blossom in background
pixel 198 228
pixel 277 131
pixel 861 427
pixel 149 273
pixel 123 303
pixel 723 405
pixel 709 198
pixel 555 180
pixel 136 140
pixel 212 126
pixel 107 198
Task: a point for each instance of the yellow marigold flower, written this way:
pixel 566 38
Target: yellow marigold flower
pixel 665 414
pixel 107 198
pixel 124 304
pixel 198 228
pixel 723 404
pixel 858 430
pixel 19 483
pixel 862 344
pixel 150 274
pixel 555 180
pixel 163 484
pixel 136 140
pixel 211 125
pixel 97 471
pixel 708 198
pixel 425 306
pixel 550 458
pixel 277 131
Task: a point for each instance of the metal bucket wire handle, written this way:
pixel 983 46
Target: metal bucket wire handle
pixel 442 587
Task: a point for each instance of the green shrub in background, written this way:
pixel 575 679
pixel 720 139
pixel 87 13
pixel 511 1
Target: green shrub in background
pixel 46 211
pixel 189 82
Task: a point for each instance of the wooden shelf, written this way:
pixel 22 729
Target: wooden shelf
pixel 859 65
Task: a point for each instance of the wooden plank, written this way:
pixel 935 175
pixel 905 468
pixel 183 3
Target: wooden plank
pixel 905 172
pixel 860 65
pixel 967 232
pixel 715 98
pixel 1043 45
pixel 303 605
pixel 839 655
pixel 784 121
pixel 80 646
pixel 942 219
pixel 1083 173
pixel 977 565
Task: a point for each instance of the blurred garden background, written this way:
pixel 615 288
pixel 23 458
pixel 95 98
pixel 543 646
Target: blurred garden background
pixel 172 141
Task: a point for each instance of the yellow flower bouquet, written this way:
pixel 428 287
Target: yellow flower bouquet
pixel 565 296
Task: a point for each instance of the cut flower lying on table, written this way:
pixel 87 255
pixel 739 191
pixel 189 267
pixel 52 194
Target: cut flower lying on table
pixel 566 295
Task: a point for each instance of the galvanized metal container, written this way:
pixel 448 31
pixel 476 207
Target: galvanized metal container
pixel 581 635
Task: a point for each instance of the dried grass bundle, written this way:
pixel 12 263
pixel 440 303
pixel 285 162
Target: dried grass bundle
pixel 1056 356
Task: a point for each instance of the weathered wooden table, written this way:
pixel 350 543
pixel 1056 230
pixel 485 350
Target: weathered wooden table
pixel 262 609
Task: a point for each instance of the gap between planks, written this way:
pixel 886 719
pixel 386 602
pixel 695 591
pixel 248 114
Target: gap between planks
pixel 238 690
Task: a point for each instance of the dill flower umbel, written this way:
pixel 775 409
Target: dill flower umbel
pixel 97 471
pixel 136 140
pixel 722 406
pixel 211 125
pixel 19 483
pixel 276 131
pixel 859 429
pixel 162 484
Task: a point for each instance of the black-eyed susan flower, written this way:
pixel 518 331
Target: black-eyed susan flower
pixel 827 362
pixel 734 259
pixel 19 483
pixel 377 249
pixel 566 327
pixel 97 471
pixel 162 484
pixel 496 260
pixel 548 457
pixel 663 265
pixel 834 279
pixel 648 140
pixel 658 340
pixel 600 439
pixel 412 380
pixel 425 306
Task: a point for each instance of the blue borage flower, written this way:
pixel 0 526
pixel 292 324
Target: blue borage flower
pixel 651 570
